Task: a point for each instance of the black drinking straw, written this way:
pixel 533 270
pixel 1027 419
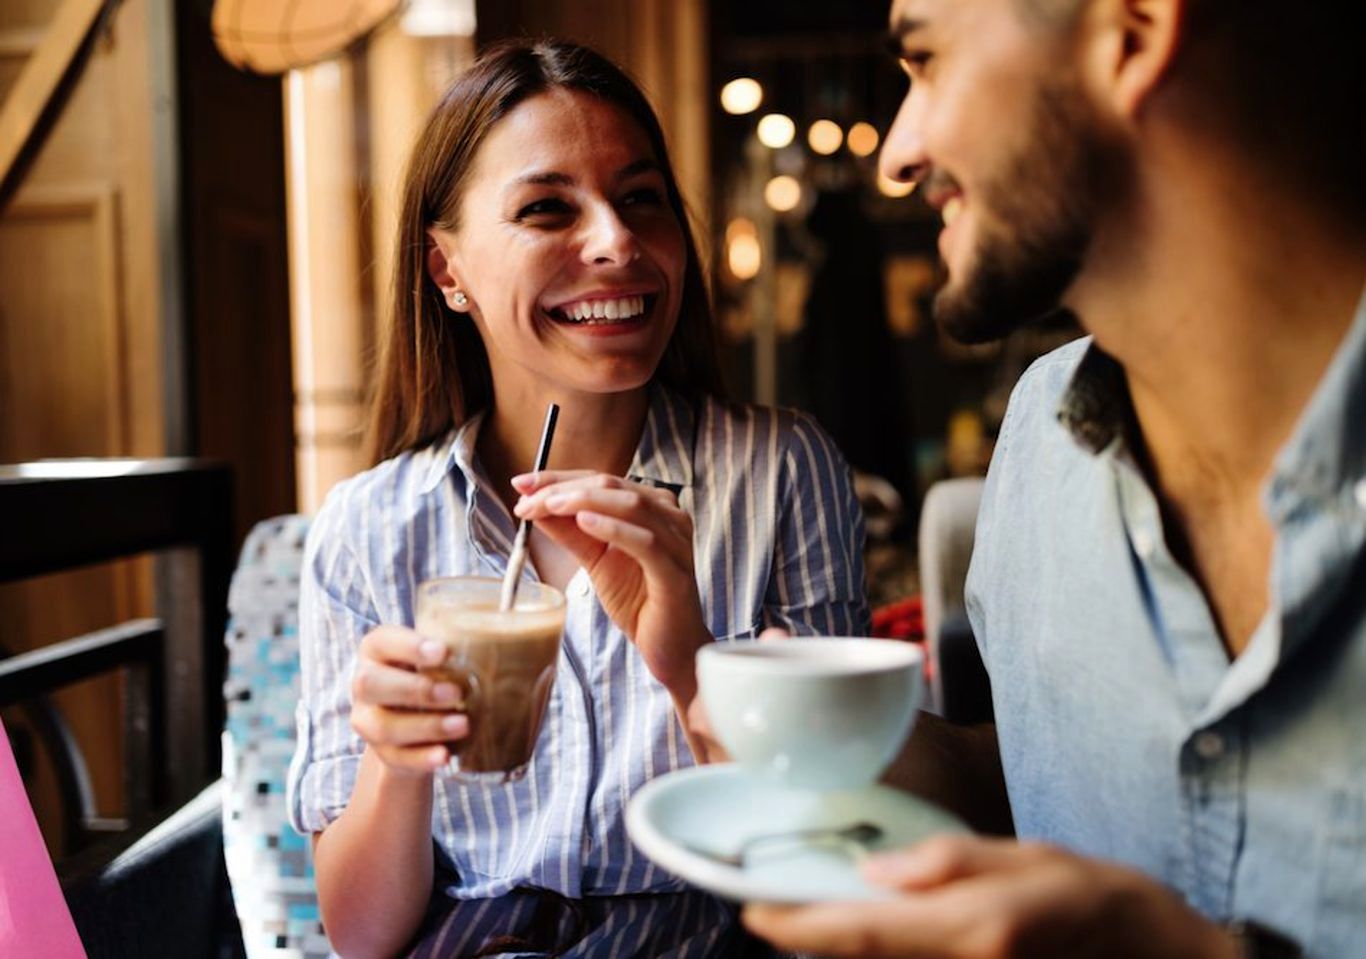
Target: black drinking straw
pixel 517 558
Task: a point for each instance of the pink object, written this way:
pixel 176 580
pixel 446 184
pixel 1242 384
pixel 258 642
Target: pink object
pixel 34 920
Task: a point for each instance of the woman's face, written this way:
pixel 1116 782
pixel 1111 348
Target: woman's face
pixel 567 250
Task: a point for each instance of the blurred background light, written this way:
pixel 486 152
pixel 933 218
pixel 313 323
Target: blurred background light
pixel 863 139
pixel 742 95
pixel 744 256
pixel 783 193
pixel 776 130
pixel 825 137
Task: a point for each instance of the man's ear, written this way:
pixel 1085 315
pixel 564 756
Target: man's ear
pixel 439 256
pixel 1136 45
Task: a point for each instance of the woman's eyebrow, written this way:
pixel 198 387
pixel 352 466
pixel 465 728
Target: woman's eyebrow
pixel 901 31
pixel 546 178
pixel 555 178
pixel 643 165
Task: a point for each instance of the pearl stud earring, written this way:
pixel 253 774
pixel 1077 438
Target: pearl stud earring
pixel 460 298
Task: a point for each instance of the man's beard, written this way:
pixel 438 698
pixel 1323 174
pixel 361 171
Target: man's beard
pixel 1035 223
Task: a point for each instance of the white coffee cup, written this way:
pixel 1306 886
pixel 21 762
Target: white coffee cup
pixel 819 713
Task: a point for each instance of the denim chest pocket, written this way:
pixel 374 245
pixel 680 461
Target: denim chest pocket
pixel 1342 878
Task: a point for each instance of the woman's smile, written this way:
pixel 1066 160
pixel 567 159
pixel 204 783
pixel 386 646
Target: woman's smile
pixel 605 312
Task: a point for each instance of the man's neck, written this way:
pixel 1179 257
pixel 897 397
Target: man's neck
pixel 1224 301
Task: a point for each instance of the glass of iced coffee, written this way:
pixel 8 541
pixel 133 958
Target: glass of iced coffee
pixel 503 663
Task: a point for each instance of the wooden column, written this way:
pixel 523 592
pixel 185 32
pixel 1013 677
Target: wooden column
pixel 329 327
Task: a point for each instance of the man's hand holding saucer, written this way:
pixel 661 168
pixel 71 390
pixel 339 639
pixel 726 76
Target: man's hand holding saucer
pixel 968 896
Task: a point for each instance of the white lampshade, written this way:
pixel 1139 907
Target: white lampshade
pixel 268 36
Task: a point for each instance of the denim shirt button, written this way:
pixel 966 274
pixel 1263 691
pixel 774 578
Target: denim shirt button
pixel 1208 745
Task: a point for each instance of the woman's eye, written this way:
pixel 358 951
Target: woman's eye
pixel 645 196
pixel 549 207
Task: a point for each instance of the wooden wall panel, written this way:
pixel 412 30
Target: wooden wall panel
pixel 87 305
pixel 62 363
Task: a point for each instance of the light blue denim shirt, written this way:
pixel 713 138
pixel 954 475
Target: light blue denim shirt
pixel 1125 731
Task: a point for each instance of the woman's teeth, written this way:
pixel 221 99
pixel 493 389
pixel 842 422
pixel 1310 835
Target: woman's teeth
pixel 593 312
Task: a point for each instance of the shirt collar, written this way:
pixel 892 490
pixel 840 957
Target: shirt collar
pixel 663 457
pixel 1325 457
pixel 1095 408
pixel 454 451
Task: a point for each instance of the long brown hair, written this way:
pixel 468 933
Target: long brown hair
pixel 433 370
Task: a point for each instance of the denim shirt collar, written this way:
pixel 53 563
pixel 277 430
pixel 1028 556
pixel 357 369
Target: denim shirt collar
pixel 1323 461
pixel 1095 408
pixel 1315 496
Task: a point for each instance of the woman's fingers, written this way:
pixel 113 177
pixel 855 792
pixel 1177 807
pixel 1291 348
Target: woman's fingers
pixel 378 684
pixel 402 728
pixel 407 717
pixel 386 671
pixel 652 510
pixel 528 483
pixel 402 647
pixel 565 531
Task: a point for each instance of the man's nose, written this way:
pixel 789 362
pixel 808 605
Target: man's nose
pixel 609 240
pixel 903 156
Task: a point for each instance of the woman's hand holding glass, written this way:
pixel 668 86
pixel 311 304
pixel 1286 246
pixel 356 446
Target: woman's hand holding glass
pixel 636 543
pixel 406 719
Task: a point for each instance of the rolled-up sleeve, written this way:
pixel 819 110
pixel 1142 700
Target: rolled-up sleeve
pixel 335 611
pixel 817 585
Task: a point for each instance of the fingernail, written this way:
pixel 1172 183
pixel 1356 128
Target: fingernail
pixel 524 481
pixel 432 651
pixel 521 506
pixel 454 724
pixel 438 757
pixel 444 692
pixel 590 519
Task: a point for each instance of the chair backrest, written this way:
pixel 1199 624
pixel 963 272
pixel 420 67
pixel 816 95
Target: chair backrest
pixel 269 864
pixel 948 522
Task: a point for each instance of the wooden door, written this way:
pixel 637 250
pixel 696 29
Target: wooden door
pixel 89 314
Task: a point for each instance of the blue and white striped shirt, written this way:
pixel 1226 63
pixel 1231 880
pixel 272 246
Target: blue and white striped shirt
pixel 778 541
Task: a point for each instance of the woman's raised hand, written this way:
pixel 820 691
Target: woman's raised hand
pixel 636 544
pixel 407 719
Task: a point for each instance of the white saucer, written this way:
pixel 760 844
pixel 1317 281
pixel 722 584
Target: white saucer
pixel 717 808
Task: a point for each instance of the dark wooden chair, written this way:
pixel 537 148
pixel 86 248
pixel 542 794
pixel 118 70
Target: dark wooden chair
pixel 64 514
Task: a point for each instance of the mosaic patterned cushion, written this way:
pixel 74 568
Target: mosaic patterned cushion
pixel 270 865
